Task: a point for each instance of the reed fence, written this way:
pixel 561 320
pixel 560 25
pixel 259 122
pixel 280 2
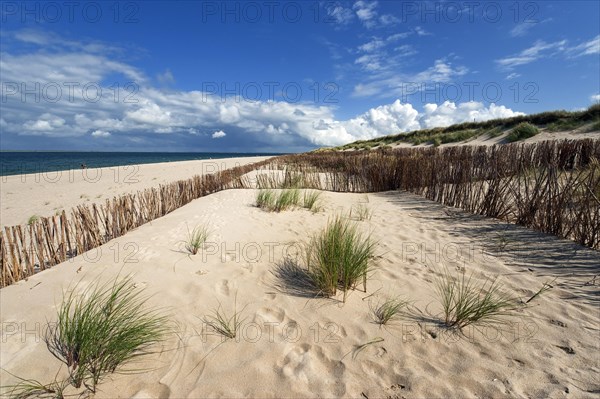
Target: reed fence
pixel 551 186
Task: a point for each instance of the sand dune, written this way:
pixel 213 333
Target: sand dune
pixel 293 345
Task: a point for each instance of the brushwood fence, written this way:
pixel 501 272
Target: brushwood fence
pixel 26 250
pixel 550 186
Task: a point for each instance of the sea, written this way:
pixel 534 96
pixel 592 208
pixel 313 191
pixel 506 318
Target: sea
pixel 24 162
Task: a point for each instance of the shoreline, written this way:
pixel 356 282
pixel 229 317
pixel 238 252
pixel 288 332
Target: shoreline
pixel 46 193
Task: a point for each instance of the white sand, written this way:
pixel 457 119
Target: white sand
pixel 44 194
pixel 417 358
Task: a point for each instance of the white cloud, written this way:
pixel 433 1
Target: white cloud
pixel 100 133
pixel 595 98
pixel 171 112
pixel 46 123
pixel 540 49
pixel 339 14
pixel 590 47
pixel 513 75
pixel 448 113
pixel 166 78
pixel 365 11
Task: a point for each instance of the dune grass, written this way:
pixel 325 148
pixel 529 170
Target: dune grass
pixel 287 199
pixel 311 200
pixel 338 257
pixel 384 312
pixel 265 199
pixel 522 131
pixel 101 329
pixel 196 238
pixel 361 212
pixel 223 324
pixel 465 302
pixel 27 389
pixel 32 219
pixel 271 201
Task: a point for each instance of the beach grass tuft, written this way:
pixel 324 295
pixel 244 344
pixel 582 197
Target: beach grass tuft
pixel 265 199
pixel 386 311
pixel 28 389
pixel 101 329
pixel 361 212
pixel 339 256
pixel 223 324
pixel 523 130
pixel 196 238
pixel 465 302
pixel 271 201
pixel 32 219
pixel 312 201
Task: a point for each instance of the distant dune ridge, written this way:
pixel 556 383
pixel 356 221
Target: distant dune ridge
pixel 468 290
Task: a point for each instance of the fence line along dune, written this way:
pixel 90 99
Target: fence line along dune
pixel 48 241
pixel 551 186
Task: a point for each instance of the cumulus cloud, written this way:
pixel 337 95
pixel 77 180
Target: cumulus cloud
pixel 100 133
pixel 595 98
pixel 150 114
pixel 449 113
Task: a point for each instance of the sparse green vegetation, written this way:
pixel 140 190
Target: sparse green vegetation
pixel 32 219
pixel 386 311
pixel 522 131
pixel 101 329
pixel 269 200
pixel 196 238
pixel 465 302
pixel 265 199
pixel 311 200
pixel 221 323
pixel 361 212
pixel 338 257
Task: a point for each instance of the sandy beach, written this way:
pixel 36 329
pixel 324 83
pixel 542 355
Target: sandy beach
pixel 44 194
pixel 294 345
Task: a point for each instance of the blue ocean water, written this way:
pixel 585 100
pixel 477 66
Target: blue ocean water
pixel 23 162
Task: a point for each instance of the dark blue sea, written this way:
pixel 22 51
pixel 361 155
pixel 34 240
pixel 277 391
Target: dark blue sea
pixel 22 162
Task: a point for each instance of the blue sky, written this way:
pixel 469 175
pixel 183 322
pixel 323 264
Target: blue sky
pixel 282 75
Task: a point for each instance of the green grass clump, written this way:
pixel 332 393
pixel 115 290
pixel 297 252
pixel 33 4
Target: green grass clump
pixel 26 389
pixel 522 131
pixel 265 199
pixel 196 238
pixel 564 125
pixel 436 142
pixel 386 311
pixel 311 201
pixel 32 219
pixel 270 201
pixel 101 329
pixel 338 257
pixel 220 322
pixel 287 199
pixel 465 302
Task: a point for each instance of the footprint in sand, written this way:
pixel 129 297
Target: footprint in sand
pixel 308 364
pixel 223 287
pixel 270 315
